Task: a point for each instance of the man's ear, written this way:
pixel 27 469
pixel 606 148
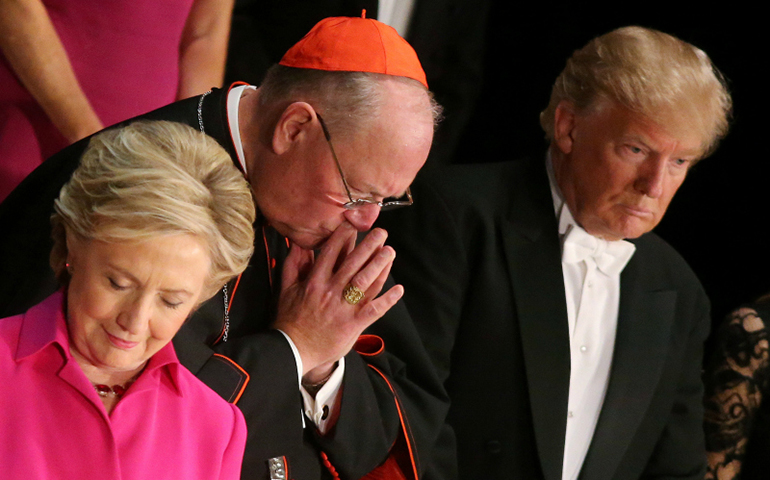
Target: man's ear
pixel 292 126
pixel 563 126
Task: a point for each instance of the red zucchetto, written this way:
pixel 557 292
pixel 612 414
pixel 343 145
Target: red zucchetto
pixel 355 44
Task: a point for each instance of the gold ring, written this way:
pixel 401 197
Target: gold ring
pixel 353 294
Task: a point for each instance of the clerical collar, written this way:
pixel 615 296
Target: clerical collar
pixel 233 101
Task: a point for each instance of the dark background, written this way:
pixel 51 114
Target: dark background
pixel 716 221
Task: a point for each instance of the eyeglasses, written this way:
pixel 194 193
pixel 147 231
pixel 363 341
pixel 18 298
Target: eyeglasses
pixel 385 204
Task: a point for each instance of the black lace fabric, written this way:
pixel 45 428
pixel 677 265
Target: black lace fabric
pixel 736 380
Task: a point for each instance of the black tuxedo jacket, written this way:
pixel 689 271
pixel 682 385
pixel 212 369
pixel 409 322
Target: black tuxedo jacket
pixel 383 400
pixel 480 259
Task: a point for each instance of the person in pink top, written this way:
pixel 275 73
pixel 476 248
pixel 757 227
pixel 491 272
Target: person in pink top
pixel 153 222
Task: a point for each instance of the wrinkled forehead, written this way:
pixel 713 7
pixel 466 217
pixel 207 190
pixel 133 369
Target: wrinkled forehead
pixel 683 120
pixel 385 159
pixel 403 121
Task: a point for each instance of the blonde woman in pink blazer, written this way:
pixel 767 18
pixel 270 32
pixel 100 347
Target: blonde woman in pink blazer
pixel 154 221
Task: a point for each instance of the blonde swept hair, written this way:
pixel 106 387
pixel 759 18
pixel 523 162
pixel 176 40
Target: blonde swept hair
pixel 152 179
pixel 667 80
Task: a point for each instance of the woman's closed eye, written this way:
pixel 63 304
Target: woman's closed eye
pixel 116 285
pixel 173 304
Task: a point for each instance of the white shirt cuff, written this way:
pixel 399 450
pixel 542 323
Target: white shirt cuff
pixel 320 408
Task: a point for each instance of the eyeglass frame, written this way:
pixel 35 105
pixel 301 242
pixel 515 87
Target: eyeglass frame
pixel 361 202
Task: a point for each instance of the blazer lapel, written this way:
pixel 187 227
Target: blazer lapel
pixel 533 256
pixel 645 318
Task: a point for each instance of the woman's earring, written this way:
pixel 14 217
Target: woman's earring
pixel 69 268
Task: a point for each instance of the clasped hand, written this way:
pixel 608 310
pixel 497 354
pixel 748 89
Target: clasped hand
pixel 312 310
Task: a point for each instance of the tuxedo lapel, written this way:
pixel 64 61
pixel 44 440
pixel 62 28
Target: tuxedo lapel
pixel 532 253
pixel 645 318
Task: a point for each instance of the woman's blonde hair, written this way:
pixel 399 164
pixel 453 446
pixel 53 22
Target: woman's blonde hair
pixel 150 179
pixel 649 72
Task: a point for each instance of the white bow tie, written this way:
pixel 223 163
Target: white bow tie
pixel 610 257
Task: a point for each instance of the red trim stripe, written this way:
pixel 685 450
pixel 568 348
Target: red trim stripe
pixel 245 382
pixel 369 345
pixel 404 424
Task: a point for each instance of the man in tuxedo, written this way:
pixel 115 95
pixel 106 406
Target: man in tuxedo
pixel 337 131
pixel 569 337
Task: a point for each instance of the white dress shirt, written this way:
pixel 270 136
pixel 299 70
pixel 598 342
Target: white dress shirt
pixel 593 298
